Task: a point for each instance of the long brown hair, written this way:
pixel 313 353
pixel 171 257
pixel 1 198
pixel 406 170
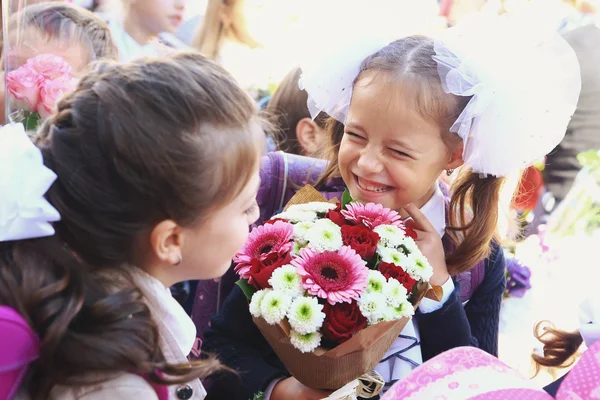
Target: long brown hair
pixel 131 147
pixel 560 347
pixel 474 207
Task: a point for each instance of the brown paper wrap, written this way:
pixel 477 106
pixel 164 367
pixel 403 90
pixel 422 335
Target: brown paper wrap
pixel 332 369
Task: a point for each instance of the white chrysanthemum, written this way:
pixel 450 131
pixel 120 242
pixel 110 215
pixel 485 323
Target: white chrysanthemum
pixel 393 256
pixel 404 309
pixel 297 216
pixel 256 301
pixel 305 315
pixel 307 342
pixel 420 269
pixel 394 292
pixel 325 236
pixel 372 306
pixel 389 235
pixel 320 207
pixel 274 306
pixel 286 279
pixel 301 229
pixel 410 245
pixel 376 282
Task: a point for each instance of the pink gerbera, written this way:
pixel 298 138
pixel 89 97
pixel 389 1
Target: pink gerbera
pixel 371 215
pixel 338 276
pixel 263 241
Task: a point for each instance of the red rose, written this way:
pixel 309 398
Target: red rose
pixel 410 232
pixel 392 271
pixel 336 216
pixel 361 239
pixel 342 321
pixel 261 271
pixel 272 221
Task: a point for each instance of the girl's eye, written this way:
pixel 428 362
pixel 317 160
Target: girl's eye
pixel 251 209
pixel 354 135
pixel 400 153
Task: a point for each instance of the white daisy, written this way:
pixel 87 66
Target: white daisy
pixel 410 246
pixel 301 229
pixel 307 342
pixel 325 236
pixel 372 306
pixel 297 216
pixel 420 269
pixel 389 235
pixel 319 207
pixel 404 309
pixel 376 282
pixel 393 256
pixel 286 279
pixel 274 306
pixel 305 315
pixel 256 301
pixel 394 292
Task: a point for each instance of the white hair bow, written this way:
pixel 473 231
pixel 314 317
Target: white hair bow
pixel 24 179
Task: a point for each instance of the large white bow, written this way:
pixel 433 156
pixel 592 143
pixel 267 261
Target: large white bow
pixel 24 179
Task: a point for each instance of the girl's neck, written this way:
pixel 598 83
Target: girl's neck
pixel 420 202
pixel 136 29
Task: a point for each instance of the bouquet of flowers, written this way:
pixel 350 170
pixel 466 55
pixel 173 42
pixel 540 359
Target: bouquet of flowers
pixel 34 88
pixel 331 285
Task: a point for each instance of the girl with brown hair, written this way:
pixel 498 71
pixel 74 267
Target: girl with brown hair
pixel 155 183
pixel 405 112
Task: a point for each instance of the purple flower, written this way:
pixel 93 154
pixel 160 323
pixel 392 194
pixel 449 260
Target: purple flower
pixel 517 278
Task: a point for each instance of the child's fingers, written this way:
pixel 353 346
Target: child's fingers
pixel 420 221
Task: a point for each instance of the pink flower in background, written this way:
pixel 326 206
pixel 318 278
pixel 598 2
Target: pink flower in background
pixel 263 241
pixel 23 84
pixel 338 276
pixel 371 215
pixel 49 66
pixel 51 92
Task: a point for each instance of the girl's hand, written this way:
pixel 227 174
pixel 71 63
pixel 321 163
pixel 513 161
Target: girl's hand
pixel 430 244
pixel 291 388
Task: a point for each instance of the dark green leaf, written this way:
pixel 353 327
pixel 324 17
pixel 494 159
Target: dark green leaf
pixel 247 288
pixel 346 198
pixel 259 396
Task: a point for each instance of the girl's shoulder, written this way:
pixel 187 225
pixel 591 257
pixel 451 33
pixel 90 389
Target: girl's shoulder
pixel 124 386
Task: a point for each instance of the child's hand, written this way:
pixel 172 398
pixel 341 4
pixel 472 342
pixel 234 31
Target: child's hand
pixel 430 244
pixel 291 388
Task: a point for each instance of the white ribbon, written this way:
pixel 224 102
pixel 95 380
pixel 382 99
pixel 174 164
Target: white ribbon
pixel 24 212
pixel 589 318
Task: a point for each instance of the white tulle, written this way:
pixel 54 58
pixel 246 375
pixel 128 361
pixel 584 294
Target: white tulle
pixel 524 81
pixel 24 212
pixel 524 85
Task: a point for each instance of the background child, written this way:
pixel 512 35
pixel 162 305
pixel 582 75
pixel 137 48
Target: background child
pixel 150 193
pixel 411 110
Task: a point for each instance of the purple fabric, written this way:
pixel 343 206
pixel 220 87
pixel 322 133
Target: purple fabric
pixel 518 278
pixel 19 346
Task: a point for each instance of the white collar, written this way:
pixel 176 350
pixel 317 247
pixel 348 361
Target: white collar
pixel 435 211
pixel 129 48
pixel 166 311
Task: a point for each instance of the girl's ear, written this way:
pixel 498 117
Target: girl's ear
pixel 456 159
pixel 166 241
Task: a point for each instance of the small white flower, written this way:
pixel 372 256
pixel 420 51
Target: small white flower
pixel 325 236
pixel 305 315
pixel 393 256
pixel 389 235
pixel 376 282
pixel 255 302
pixel 319 207
pixel 297 216
pixel 404 309
pixel 372 306
pixel 394 292
pixel 410 246
pixel 301 229
pixel 420 269
pixel 286 279
pixel 307 342
pixel 274 306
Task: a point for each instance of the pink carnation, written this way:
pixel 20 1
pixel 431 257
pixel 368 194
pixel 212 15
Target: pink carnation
pixel 23 85
pixel 338 276
pixel 371 215
pixel 49 65
pixel 263 241
pixel 51 91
